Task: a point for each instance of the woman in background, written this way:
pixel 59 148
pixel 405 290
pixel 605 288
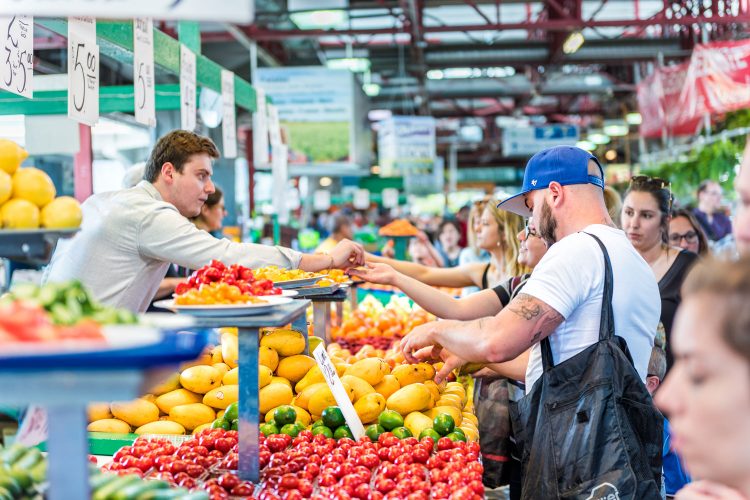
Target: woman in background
pixel 686 232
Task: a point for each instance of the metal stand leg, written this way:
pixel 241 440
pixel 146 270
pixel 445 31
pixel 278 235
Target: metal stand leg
pixel 249 404
pixel 300 324
pixel 68 448
pixel 322 320
pixel 353 297
pixel 339 313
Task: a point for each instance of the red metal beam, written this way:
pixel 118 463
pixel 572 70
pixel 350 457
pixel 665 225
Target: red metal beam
pixel 479 11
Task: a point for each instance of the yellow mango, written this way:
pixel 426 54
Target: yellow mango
pixel 221 397
pixel 161 427
pixel 293 368
pixel 284 341
pixel 360 387
pixel 281 380
pixel 434 390
pixel 313 376
pixel 192 415
pixel 450 400
pixel 471 433
pixel 417 422
pixel 220 413
pixel 200 379
pixel 413 397
pixel 274 395
pixel 268 357
pixel 302 415
pixel 222 367
pixel 229 349
pixel 371 370
pixel 203 359
pixel 449 410
pixel 470 417
pixel 369 407
pixel 341 368
pixel 323 398
pixel 265 376
pixel 99 411
pixel 202 426
pixel 165 402
pixel 148 397
pixel 136 413
pixel 303 398
pixel 313 343
pixel 111 425
pixel 169 384
pixel 412 374
pixel 387 386
pixel 216 355
pixel 232 330
pixel 233 376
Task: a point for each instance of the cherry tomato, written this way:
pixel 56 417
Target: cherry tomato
pixel 228 481
pixel 244 489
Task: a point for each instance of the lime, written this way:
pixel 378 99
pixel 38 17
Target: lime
pixel 443 424
pixel 235 425
pixel 402 432
pixel 318 423
pixel 285 415
pixel 322 429
pixel 374 431
pixel 300 426
pixel 390 419
pixel 232 412
pixel 460 431
pixel 268 429
pixel 431 433
pixel 220 423
pixel 290 430
pixel 455 436
pixel 343 432
pixel 332 417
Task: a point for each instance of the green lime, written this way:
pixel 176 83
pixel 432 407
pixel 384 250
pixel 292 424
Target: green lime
pixel 390 419
pixel 220 423
pixel 460 431
pixel 232 412
pixel 402 432
pixel 431 433
pixel 443 424
pixel 285 415
pixel 374 431
pixel 332 417
pixel 300 426
pixel 343 432
pixel 455 436
pixel 318 423
pixel 290 430
pixel 322 429
pixel 268 429
pixel 235 425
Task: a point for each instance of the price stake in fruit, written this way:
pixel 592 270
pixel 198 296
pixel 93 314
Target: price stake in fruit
pixel 83 80
pixel 143 71
pixel 17 35
pixel 338 391
pixel 187 88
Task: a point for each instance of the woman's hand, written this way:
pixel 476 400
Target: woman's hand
pixel 376 273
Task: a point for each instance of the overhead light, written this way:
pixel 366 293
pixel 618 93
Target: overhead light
pixel 633 118
pixel 371 89
pixel 573 42
pixel 320 19
pixel 375 170
pixel 587 145
pixel 615 128
pixel 376 115
pixel 353 64
pixel 325 181
pixel 598 138
pixel 610 155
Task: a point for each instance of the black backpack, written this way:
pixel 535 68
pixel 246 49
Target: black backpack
pixel 588 429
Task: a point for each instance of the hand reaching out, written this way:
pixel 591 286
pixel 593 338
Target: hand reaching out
pixel 376 273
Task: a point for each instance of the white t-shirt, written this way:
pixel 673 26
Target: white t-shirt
pixel 570 279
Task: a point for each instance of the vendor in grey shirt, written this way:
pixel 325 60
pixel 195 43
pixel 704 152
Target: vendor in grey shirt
pixel 129 237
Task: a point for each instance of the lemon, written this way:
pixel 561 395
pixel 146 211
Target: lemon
pixel 60 213
pixel 19 214
pixel 11 156
pixel 6 186
pixel 33 185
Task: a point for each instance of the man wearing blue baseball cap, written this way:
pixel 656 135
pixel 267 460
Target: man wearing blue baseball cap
pixel 563 191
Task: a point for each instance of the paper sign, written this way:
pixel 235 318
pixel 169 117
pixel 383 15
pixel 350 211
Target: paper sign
pixel 274 127
pixel 84 27
pixel 280 175
pixel 390 197
pixel 228 127
pixel 17 58
pixel 339 393
pixel 83 79
pixel 33 428
pixel 260 129
pixel 321 199
pixel 361 199
pixel 187 89
pixel 143 71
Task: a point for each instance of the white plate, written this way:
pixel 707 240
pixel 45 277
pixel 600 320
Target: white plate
pixel 115 337
pixel 220 310
pixel 297 283
pixel 289 293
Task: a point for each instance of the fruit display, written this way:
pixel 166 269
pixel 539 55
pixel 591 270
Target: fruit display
pixel 399 227
pixel 216 293
pixel 27 195
pixel 277 274
pixel 336 276
pixel 24 322
pixel 241 278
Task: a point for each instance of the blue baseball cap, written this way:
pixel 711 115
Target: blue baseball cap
pixel 564 164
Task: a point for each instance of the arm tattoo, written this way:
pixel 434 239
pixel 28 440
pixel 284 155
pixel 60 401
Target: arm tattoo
pixel 529 308
pixel 526 307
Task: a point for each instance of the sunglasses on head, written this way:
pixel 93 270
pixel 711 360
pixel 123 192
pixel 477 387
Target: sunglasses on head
pixel 645 180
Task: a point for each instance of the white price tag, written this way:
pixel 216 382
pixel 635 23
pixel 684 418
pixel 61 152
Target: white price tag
pixel 321 199
pixel 260 129
pixel 143 71
pixel 187 88
pixel 390 197
pixel 83 80
pixel 17 70
pixel 361 199
pixel 274 127
pixel 83 27
pixel 339 393
pixel 228 127
pixel 280 174
pixel 33 428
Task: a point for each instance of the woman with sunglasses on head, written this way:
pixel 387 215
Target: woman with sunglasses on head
pixel 645 220
pixel 686 232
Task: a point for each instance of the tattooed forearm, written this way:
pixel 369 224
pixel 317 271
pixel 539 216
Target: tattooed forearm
pixel 536 337
pixel 526 307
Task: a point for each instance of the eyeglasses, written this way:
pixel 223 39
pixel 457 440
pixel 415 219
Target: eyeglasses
pixel 689 237
pixel 529 231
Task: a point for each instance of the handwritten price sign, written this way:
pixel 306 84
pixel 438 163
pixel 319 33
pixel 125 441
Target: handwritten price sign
pixel 228 127
pixel 187 88
pixel 17 38
pixel 143 69
pixel 83 80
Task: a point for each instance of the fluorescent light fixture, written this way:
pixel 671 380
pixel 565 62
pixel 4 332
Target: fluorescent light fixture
pixel 353 64
pixel 320 19
pixel 615 128
pixel 325 181
pixel 610 155
pixel 598 138
pixel 573 42
pixel 587 145
pixel 633 118
pixel 371 89
pixel 435 74
pixel 491 72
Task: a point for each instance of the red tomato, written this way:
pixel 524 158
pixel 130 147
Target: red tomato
pixel 444 444
pixel 144 463
pixel 327 479
pixel 420 455
pixel 224 445
pixel 384 485
pixel 228 481
pixel 244 489
pixel 194 470
pixel 289 482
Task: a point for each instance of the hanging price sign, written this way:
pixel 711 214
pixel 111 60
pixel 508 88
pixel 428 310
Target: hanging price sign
pixel 187 88
pixel 83 80
pixel 17 58
pixel 143 71
pixel 228 127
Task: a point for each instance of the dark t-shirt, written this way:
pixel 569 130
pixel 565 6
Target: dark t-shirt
pixel 719 226
pixel 669 289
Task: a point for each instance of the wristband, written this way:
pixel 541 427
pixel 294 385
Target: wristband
pixel 331 256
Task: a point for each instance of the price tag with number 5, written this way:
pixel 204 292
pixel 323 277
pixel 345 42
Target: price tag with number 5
pixel 17 56
pixel 83 80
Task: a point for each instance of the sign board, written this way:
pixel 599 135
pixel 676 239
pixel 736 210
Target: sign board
pixel 361 199
pixel 527 141
pixel 84 27
pixel 83 79
pixel 17 46
pixel 33 428
pixel 228 124
pixel 143 71
pixel 406 144
pixel 260 129
pixel 321 199
pixel 338 391
pixel 390 197
pixel 236 11
pixel 280 175
pixel 187 89
pixel 274 127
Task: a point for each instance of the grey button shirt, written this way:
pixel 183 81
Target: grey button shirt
pixel 128 239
